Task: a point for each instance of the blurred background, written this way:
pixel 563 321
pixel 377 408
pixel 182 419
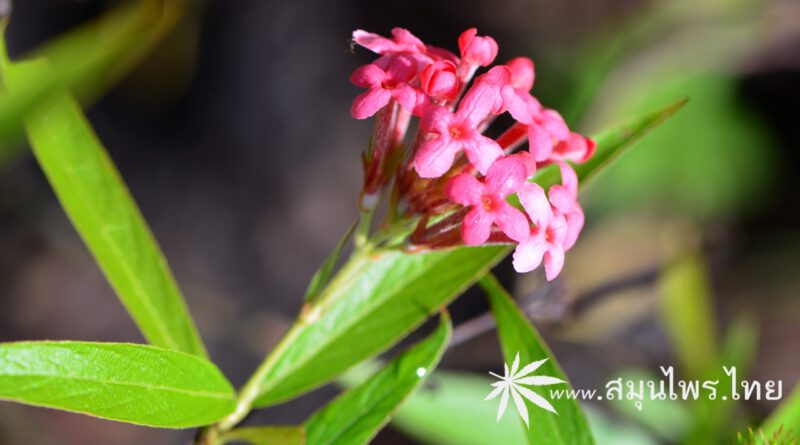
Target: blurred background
pixel 236 140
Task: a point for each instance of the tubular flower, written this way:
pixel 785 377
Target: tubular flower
pixel 487 200
pixel 450 179
pixel 386 79
pixel 451 133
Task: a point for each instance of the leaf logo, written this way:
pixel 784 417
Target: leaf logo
pixel 513 383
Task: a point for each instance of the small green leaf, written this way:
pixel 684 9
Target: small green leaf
pixel 99 204
pixel 357 415
pixel 519 337
pixel 323 275
pixel 131 383
pixel 267 435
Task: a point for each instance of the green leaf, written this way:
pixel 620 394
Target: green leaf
pixel 131 383
pixel 380 296
pixel 357 415
pixel 377 299
pixel 97 201
pixel 519 337
pixel 267 435
pixel 323 275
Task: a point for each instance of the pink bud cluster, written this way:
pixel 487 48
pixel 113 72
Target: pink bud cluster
pixel 451 169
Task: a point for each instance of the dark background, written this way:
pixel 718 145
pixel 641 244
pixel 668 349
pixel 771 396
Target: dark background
pixel 236 141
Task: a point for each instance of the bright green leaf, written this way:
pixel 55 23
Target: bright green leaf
pixel 379 297
pixel 131 383
pixel 267 435
pixel 519 337
pixel 785 420
pixel 356 416
pixel 97 201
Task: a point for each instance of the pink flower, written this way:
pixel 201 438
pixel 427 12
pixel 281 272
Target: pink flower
pixel 575 148
pixel 498 78
pixel 476 50
pixel 386 79
pixel 546 128
pixel 564 198
pixel 456 132
pixel 488 201
pixel 439 80
pixel 546 240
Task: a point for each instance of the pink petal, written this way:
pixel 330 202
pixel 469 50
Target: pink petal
pixel 540 143
pixel 562 199
pixel 477 226
pixel 465 189
pixel 409 41
pixel 553 262
pixel 512 222
pixel 528 254
pixel 522 73
pixel 406 96
pixel 519 105
pixel 476 104
pixel 557 230
pixel 578 148
pixel 482 152
pixel 506 176
pixel 554 124
pixel 535 203
pixel 374 42
pixel 441 54
pixel 575 221
pixel 437 119
pixel 368 103
pixel 477 50
pixel 398 68
pixel 435 157
pixel 368 76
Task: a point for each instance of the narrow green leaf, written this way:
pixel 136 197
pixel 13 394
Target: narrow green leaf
pixel 356 416
pixel 267 435
pixel 379 297
pixel 519 337
pixel 323 275
pixel 131 383
pixel 97 201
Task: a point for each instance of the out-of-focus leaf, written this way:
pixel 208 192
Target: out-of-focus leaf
pixel 90 59
pixel 323 275
pixel 380 296
pixel 519 338
pixel 669 420
pixel 716 158
pixel 686 309
pixel 786 418
pixel 117 381
pixel 449 410
pixel 97 201
pixel 357 415
pixel 267 435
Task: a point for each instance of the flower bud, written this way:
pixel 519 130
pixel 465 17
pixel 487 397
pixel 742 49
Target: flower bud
pixel 476 50
pixel 439 80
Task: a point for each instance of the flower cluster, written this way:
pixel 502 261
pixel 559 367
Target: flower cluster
pixel 451 176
